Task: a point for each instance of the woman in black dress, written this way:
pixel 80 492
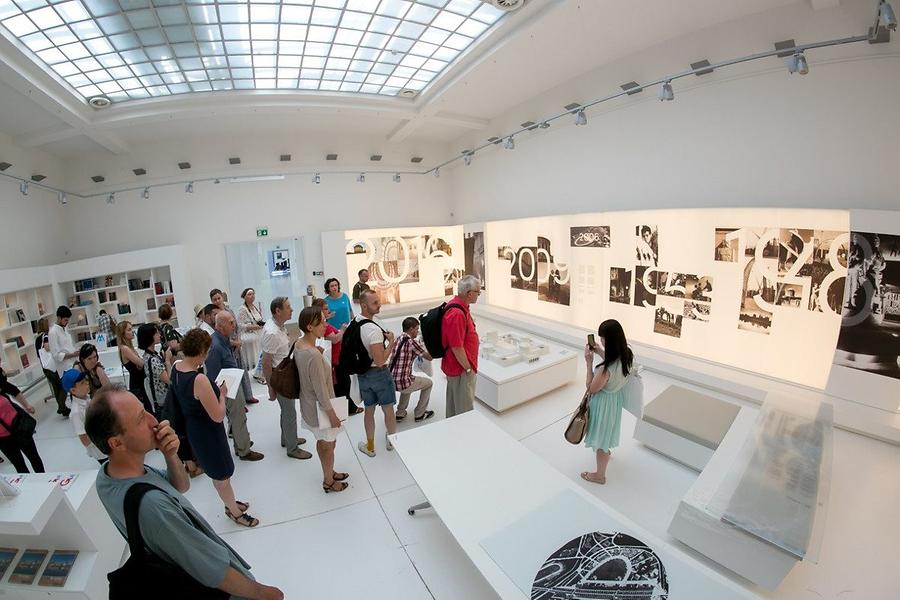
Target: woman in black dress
pixel 133 363
pixel 201 404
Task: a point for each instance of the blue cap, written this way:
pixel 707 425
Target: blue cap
pixel 70 378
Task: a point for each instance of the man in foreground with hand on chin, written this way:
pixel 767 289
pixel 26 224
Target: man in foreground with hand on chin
pixel 120 427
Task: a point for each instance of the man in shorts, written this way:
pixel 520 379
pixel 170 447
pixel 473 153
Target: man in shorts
pixel 376 386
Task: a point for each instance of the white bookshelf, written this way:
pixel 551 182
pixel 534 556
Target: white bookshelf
pixel 133 296
pixel 19 315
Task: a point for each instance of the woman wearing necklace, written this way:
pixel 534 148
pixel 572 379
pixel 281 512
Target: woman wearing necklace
pixel 250 322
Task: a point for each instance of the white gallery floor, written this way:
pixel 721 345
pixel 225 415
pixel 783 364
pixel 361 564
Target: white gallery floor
pixel 362 543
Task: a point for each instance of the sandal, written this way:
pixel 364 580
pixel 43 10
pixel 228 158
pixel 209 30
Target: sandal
pixel 340 476
pixel 195 472
pixel 587 476
pixel 243 519
pixel 244 506
pixel 336 486
pixel 357 410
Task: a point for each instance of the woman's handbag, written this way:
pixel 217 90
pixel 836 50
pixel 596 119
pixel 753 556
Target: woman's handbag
pixel 578 424
pixel 23 425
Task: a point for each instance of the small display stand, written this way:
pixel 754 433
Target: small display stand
pixel 44 516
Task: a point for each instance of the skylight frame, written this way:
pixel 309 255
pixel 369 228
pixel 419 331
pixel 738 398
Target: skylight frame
pixel 135 49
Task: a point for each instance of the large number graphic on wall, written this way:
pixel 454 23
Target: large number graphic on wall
pixel 870 327
pixel 534 269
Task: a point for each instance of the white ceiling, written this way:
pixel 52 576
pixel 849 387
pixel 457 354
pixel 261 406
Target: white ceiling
pixel 546 43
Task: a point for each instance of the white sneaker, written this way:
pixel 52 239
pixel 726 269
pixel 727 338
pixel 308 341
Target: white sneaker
pixel 387 442
pixel 364 448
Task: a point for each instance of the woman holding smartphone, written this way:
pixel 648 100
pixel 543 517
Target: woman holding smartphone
pixel 605 383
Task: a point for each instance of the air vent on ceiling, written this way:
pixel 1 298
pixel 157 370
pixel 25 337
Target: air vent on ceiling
pixel 571 106
pixel 285 158
pixel 184 165
pixel 508 5
pixel 784 45
pixel 98 178
pixel 4 166
pixel 631 85
pixel 494 139
pixel 416 159
pixel 375 157
pixel 529 125
pixel 699 67
pixel 99 101
pixel 331 157
pixel 38 178
pixel 139 171
pixel 234 160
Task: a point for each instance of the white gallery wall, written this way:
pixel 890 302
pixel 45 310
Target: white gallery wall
pixel 750 135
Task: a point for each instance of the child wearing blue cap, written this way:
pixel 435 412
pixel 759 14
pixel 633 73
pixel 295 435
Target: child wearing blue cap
pixel 75 383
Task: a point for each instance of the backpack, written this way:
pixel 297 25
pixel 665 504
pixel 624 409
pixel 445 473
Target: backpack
pixel 144 575
pixel 285 378
pixel 355 358
pixel 432 323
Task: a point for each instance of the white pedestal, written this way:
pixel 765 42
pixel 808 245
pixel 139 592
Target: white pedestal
pixel 45 517
pixel 502 387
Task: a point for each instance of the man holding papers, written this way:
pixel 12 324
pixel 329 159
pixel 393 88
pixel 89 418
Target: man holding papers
pixel 220 357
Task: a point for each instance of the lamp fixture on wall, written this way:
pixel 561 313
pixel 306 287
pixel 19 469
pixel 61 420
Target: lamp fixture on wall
pixel 62 198
pixel 886 16
pixel 437 171
pixel 361 178
pixel 467 158
pixel 797 64
pixel 580 118
pixel 510 143
pixel 396 177
pixel 666 93
pixel 111 199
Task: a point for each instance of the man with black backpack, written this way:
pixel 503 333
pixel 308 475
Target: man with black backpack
pixel 365 351
pixel 175 552
pixel 458 336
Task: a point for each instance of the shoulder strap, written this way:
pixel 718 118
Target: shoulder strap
pixel 396 356
pixel 133 498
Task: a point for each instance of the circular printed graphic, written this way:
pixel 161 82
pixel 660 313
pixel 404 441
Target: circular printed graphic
pixel 602 565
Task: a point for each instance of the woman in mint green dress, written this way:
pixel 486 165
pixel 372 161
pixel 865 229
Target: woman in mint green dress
pixel 605 383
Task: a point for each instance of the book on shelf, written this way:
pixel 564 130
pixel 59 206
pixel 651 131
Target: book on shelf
pixel 134 284
pixel 158 287
pixel 124 309
pixel 41 309
pixel 7 555
pixel 80 319
pixel 101 297
pixel 58 568
pixel 112 297
pixel 34 326
pixel 28 566
pixel 151 303
pixel 20 316
pixel 108 281
pixel 25 361
pixel 145 284
pixel 19 340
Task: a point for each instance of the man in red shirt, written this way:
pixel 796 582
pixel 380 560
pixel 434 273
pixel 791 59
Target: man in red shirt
pixel 458 336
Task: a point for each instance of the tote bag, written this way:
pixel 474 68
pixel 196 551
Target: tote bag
pixel 578 423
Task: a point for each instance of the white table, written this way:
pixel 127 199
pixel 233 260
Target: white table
pixel 482 483
pixel 502 387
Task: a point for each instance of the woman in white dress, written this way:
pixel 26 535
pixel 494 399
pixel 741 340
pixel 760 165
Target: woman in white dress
pixel 250 322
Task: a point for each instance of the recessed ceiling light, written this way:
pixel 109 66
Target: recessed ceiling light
pixel 375 157
pixel 408 93
pixel 139 171
pixel 184 165
pixel 98 178
pixel 630 88
pixel 331 157
pixel 234 160
pixel 38 177
pixel 416 159
pixel 285 158
pixel 99 101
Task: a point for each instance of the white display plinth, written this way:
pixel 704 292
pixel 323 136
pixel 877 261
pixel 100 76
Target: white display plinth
pixel 504 386
pixel 44 516
pixel 488 481
pixel 760 562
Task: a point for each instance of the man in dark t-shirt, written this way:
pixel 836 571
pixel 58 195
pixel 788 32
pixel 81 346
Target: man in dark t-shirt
pixel 360 286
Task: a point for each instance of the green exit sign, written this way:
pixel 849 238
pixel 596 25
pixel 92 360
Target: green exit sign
pixel 262 232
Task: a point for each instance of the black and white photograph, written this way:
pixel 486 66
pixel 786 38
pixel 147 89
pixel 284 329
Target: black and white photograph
pixel 619 285
pixel 356 247
pixel 791 245
pixel 602 565
pixel 753 238
pixel 388 293
pixel 451 278
pixel 699 288
pixel 554 284
pixel 696 311
pixel 590 236
pixel 789 294
pixel 397 260
pixel 474 255
pixel 727 245
pixel 644 292
pixel 523 269
pixel 668 317
pixel 752 317
pixel 279 263
pixel 646 245
pixel 672 284
pixel 870 310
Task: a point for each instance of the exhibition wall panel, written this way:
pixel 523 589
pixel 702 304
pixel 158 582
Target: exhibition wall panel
pixel 756 289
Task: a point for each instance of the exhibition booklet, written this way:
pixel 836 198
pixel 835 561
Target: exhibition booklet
pixel 6 557
pixel 57 570
pixel 28 566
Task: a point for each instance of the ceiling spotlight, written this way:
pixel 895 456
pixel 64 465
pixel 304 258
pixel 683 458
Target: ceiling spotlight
pixel 23 187
pixel 797 64
pixel 146 193
pixel 888 18
pixel 396 177
pixel 317 179
pixel 111 199
pixel 437 171
pixel 580 118
pixel 666 93
pixel 62 198
pixel 189 188
pixel 545 124
pixel 510 143
pixel 467 159
pixel 361 178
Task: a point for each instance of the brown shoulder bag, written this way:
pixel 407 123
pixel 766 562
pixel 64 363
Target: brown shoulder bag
pixel 578 424
pixel 285 378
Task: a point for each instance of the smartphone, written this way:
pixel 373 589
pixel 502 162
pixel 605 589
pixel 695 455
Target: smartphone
pixel 591 342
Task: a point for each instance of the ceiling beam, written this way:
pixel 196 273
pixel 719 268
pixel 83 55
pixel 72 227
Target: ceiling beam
pixel 463 121
pixel 820 4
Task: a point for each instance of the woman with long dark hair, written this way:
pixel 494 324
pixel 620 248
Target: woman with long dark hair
pixel 605 383
pixel 89 363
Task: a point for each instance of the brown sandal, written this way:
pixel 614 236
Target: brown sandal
pixel 244 519
pixel 340 476
pixel 336 486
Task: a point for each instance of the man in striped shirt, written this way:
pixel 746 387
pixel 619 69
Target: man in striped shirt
pixel 406 351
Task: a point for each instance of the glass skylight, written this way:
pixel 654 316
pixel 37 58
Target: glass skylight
pixel 132 49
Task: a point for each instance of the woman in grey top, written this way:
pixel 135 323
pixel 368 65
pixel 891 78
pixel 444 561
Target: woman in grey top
pixel 316 388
